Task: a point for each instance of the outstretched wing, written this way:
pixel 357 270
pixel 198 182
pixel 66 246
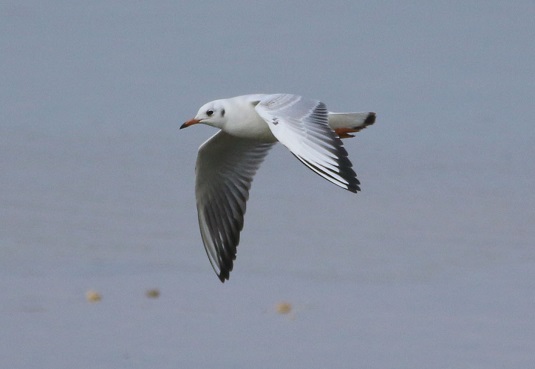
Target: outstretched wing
pixel 302 126
pixel 224 172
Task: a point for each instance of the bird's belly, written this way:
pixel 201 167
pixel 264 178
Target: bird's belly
pixel 254 129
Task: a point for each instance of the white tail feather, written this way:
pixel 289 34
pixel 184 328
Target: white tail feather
pixel 355 121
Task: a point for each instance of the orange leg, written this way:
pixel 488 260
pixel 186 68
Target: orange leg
pixel 345 132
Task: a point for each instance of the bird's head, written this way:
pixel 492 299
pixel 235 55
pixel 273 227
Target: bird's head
pixel 212 113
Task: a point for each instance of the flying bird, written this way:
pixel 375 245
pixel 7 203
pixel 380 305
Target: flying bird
pixel 249 126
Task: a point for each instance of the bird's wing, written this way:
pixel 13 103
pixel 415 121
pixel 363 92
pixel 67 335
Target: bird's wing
pixel 224 172
pixel 302 126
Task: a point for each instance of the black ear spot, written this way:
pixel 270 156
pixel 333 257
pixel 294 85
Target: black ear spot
pixel 222 113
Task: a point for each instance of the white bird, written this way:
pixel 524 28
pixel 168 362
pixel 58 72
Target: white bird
pixel 249 126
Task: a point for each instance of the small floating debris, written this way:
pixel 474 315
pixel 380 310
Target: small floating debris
pixel 153 293
pixel 283 308
pixel 93 296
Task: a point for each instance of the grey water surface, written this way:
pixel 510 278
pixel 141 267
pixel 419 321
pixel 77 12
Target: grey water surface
pixel 432 265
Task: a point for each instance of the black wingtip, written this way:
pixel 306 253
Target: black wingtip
pixel 353 188
pixel 353 184
pixel 223 276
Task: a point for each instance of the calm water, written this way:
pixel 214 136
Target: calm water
pixel 432 265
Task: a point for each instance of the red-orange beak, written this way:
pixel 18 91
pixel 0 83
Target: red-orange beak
pixel 190 123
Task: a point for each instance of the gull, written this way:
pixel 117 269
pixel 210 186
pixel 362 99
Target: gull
pixel 249 126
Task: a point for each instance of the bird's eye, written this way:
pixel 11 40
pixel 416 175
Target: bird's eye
pixel 209 112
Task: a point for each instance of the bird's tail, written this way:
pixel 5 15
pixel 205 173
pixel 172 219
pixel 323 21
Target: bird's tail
pixel 346 123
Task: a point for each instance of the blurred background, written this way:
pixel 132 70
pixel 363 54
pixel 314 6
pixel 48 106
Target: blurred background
pixel 432 265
